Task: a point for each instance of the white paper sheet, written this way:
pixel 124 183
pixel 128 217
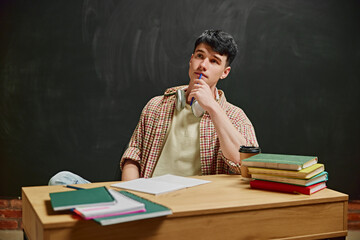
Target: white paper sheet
pixel 159 185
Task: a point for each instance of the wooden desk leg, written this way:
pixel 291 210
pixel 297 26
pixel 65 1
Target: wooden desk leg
pixel 25 237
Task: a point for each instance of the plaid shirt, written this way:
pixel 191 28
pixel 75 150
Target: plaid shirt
pixel 147 141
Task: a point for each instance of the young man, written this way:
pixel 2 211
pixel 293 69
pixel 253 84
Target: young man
pixel 169 138
pixel 170 141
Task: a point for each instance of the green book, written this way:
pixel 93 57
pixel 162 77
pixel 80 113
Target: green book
pixel 81 198
pixel 280 161
pixel 152 210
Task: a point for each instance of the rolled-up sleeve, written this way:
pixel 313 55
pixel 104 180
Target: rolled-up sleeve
pixel 245 127
pixel 134 150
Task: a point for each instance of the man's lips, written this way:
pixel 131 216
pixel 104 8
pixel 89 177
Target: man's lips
pixel 203 75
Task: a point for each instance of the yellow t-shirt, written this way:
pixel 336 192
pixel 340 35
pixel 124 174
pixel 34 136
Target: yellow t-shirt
pixel 181 152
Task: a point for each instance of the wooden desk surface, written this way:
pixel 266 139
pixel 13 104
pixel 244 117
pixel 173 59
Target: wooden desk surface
pixel 223 205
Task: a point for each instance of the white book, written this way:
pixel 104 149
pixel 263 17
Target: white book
pixel 159 185
pixel 123 205
pixel 152 210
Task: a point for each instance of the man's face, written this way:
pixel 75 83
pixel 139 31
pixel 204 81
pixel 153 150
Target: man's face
pixel 209 63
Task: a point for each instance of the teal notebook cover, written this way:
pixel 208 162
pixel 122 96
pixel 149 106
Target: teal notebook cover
pixel 81 198
pixel 152 210
pixel 311 181
pixel 317 176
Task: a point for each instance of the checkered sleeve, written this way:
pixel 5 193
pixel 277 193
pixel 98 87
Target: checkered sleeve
pixel 134 150
pixel 245 127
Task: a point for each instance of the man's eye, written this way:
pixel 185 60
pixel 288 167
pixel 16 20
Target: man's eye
pixel 214 61
pixel 199 55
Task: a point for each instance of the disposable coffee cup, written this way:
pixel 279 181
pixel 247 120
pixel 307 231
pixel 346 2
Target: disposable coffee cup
pixel 246 152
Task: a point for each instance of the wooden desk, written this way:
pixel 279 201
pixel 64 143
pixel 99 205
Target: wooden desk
pixel 225 209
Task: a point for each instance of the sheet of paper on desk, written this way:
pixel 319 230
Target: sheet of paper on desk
pixel 186 181
pixel 159 185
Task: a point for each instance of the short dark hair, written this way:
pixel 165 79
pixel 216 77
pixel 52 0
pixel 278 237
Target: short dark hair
pixel 220 41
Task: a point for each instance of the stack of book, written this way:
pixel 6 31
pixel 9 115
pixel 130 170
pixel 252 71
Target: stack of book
pixel 107 206
pixel 286 173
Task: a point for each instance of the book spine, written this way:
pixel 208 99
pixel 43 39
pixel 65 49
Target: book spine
pixel 272 165
pixel 281 187
pixel 110 214
pixel 275 172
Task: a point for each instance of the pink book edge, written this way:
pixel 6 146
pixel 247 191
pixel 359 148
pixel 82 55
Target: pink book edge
pixel 110 214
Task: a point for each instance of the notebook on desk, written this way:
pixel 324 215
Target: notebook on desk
pixel 160 185
pixel 152 210
pixel 124 205
pixel 81 198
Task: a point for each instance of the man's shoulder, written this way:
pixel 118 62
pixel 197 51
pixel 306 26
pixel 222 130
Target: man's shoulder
pixel 157 101
pixel 153 105
pixel 172 90
pixel 168 92
pixel 236 113
pixel 234 109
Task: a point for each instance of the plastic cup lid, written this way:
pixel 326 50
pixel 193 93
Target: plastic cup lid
pixel 249 149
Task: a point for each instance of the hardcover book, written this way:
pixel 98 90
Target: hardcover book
pixel 123 205
pixel 280 161
pixel 288 188
pixel 304 173
pixel 152 210
pixel 321 177
pixel 81 198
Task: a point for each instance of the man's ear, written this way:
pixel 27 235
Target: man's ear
pixel 191 58
pixel 225 72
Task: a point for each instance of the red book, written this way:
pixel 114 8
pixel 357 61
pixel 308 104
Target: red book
pixel 289 188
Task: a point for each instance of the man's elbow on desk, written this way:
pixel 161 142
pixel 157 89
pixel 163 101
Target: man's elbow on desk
pixel 130 171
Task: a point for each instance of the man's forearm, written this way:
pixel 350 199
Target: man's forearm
pixel 230 138
pixel 130 170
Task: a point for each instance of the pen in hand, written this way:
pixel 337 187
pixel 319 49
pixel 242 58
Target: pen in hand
pixel 192 100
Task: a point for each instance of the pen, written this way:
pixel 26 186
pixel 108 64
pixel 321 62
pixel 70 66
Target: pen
pixel 192 100
pixel 77 188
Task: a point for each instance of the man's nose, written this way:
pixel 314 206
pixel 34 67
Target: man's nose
pixel 204 63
